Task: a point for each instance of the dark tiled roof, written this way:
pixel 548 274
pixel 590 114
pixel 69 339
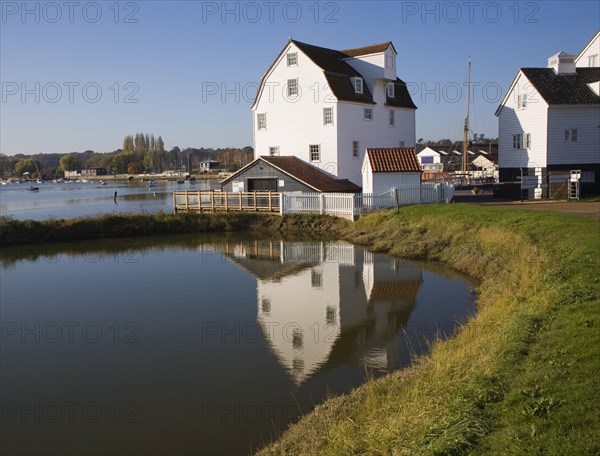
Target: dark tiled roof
pixel 344 90
pixel 365 50
pixel 337 72
pixel 564 89
pixel 394 291
pixel 401 98
pixel 311 175
pixel 393 160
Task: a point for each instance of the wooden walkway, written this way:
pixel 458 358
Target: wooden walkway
pixel 218 201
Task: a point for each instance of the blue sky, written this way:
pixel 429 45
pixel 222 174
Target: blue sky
pixel 82 75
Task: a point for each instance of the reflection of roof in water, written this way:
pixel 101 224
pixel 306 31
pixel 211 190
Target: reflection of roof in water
pixel 268 270
pixel 394 291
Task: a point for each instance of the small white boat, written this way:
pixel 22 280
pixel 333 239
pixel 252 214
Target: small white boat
pixel 152 183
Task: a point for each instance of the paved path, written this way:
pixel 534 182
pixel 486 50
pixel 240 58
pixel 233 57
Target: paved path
pixel 589 208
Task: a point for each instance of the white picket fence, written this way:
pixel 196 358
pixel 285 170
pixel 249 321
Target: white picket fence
pixel 353 205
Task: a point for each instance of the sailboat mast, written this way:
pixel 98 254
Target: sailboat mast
pixel 465 151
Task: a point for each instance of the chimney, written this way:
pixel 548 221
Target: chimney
pixel 562 63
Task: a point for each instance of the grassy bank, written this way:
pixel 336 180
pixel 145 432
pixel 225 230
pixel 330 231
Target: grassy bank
pixel 520 378
pixel 18 232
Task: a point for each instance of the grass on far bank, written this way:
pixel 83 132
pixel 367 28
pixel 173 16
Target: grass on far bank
pixel 519 378
pixel 18 232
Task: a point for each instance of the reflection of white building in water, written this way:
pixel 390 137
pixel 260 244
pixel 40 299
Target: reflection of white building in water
pixel 328 302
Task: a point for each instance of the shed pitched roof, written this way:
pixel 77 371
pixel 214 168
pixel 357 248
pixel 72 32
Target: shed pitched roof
pixel 393 160
pixel 564 89
pixel 311 175
pixel 303 172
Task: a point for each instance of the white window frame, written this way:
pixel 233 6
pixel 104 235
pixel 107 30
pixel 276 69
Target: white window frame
pixel 593 60
pixel 358 85
pixel 527 140
pixel 390 90
pixel 389 61
pixel 518 141
pixel 274 151
pixel 392 118
pixel 355 149
pixel 522 101
pixel 261 121
pixel 292 59
pixel 571 135
pixel 368 114
pixel 328 116
pixel 314 149
pixel 292 87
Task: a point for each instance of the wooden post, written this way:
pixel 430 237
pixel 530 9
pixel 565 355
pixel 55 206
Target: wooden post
pixel 255 201
pixel 270 202
pixel 174 202
pixel 240 201
pixel 226 201
pixel 212 200
pixel 397 202
pixel 187 205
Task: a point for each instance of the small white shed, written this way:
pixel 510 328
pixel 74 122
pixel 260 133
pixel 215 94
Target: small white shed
pixel 384 169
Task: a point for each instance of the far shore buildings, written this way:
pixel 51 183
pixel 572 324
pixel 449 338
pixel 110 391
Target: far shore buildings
pixel 549 123
pixel 327 107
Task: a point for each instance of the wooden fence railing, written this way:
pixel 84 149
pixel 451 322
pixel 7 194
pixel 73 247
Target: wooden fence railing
pixel 347 205
pixel 218 201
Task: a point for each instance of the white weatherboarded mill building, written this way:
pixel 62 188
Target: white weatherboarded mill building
pixel 549 120
pixel 327 107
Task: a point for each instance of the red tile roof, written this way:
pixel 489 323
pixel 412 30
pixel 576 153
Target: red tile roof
pixel 393 160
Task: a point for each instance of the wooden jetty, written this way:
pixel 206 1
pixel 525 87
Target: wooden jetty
pixel 219 201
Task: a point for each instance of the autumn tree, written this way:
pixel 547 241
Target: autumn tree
pixel 68 162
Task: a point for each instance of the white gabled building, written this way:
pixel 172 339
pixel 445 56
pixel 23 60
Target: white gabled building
pixel 430 160
pixel 327 107
pixel 384 169
pixel 549 120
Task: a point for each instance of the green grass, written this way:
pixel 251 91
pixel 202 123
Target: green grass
pixel 519 378
pixel 17 232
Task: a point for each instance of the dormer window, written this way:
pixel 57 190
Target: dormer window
pixel 358 85
pixel 292 58
pixel 390 90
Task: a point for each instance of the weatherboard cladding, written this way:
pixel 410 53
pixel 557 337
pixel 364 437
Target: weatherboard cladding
pixel 393 160
pixel 564 89
pixel 298 176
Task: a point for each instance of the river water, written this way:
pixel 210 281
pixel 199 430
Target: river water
pixel 201 345
pixel 78 199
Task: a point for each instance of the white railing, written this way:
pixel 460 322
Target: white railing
pixel 351 205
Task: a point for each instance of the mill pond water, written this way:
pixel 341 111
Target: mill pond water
pixel 202 344
pixel 79 199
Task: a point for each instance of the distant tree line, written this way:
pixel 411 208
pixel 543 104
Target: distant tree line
pixel 142 152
